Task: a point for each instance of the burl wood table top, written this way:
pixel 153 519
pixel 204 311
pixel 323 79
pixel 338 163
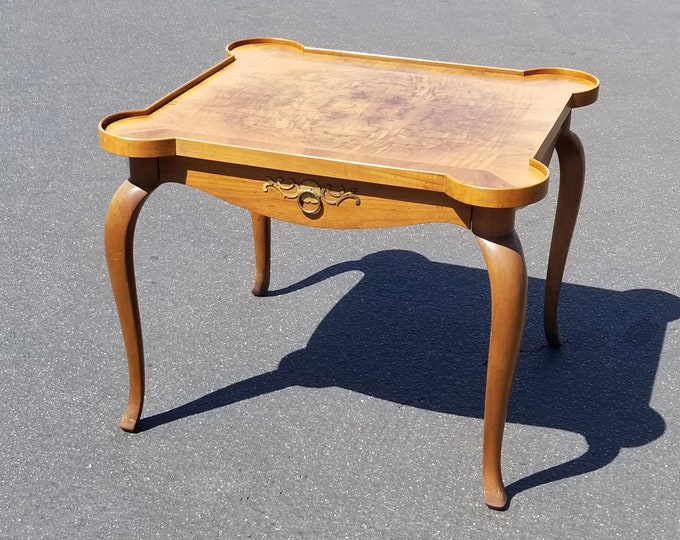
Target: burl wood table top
pixel 481 135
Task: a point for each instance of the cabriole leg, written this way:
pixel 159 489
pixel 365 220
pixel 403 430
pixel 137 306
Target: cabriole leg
pixel 504 259
pixel 118 240
pixel 262 237
pixel 572 176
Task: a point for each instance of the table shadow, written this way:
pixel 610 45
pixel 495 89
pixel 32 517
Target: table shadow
pixel 415 332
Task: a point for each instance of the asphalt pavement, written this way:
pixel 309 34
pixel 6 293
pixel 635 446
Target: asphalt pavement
pixel 347 403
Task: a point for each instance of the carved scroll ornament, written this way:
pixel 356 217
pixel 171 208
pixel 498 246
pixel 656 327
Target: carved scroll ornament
pixel 309 194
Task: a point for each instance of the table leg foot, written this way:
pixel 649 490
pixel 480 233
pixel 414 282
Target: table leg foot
pixel 262 239
pixel 572 175
pixel 508 279
pixel 118 240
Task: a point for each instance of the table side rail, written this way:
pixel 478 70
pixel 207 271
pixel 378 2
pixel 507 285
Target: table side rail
pixel 314 200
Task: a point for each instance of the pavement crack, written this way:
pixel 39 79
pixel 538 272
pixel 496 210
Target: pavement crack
pixel 540 348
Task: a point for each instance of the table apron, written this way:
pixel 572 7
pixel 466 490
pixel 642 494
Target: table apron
pixel 313 200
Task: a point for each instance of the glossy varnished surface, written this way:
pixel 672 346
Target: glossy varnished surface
pixel 477 134
pixel 343 140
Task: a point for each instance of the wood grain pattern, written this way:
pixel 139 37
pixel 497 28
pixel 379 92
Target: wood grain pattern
pixel 477 134
pixel 345 140
pixel 380 206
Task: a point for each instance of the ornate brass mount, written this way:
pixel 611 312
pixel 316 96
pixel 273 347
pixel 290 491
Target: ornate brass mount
pixel 309 194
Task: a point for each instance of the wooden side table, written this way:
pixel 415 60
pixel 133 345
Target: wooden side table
pixel 345 140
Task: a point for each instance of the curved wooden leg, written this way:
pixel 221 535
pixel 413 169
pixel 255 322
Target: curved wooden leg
pixel 572 176
pixel 508 279
pixel 118 240
pixel 262 236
